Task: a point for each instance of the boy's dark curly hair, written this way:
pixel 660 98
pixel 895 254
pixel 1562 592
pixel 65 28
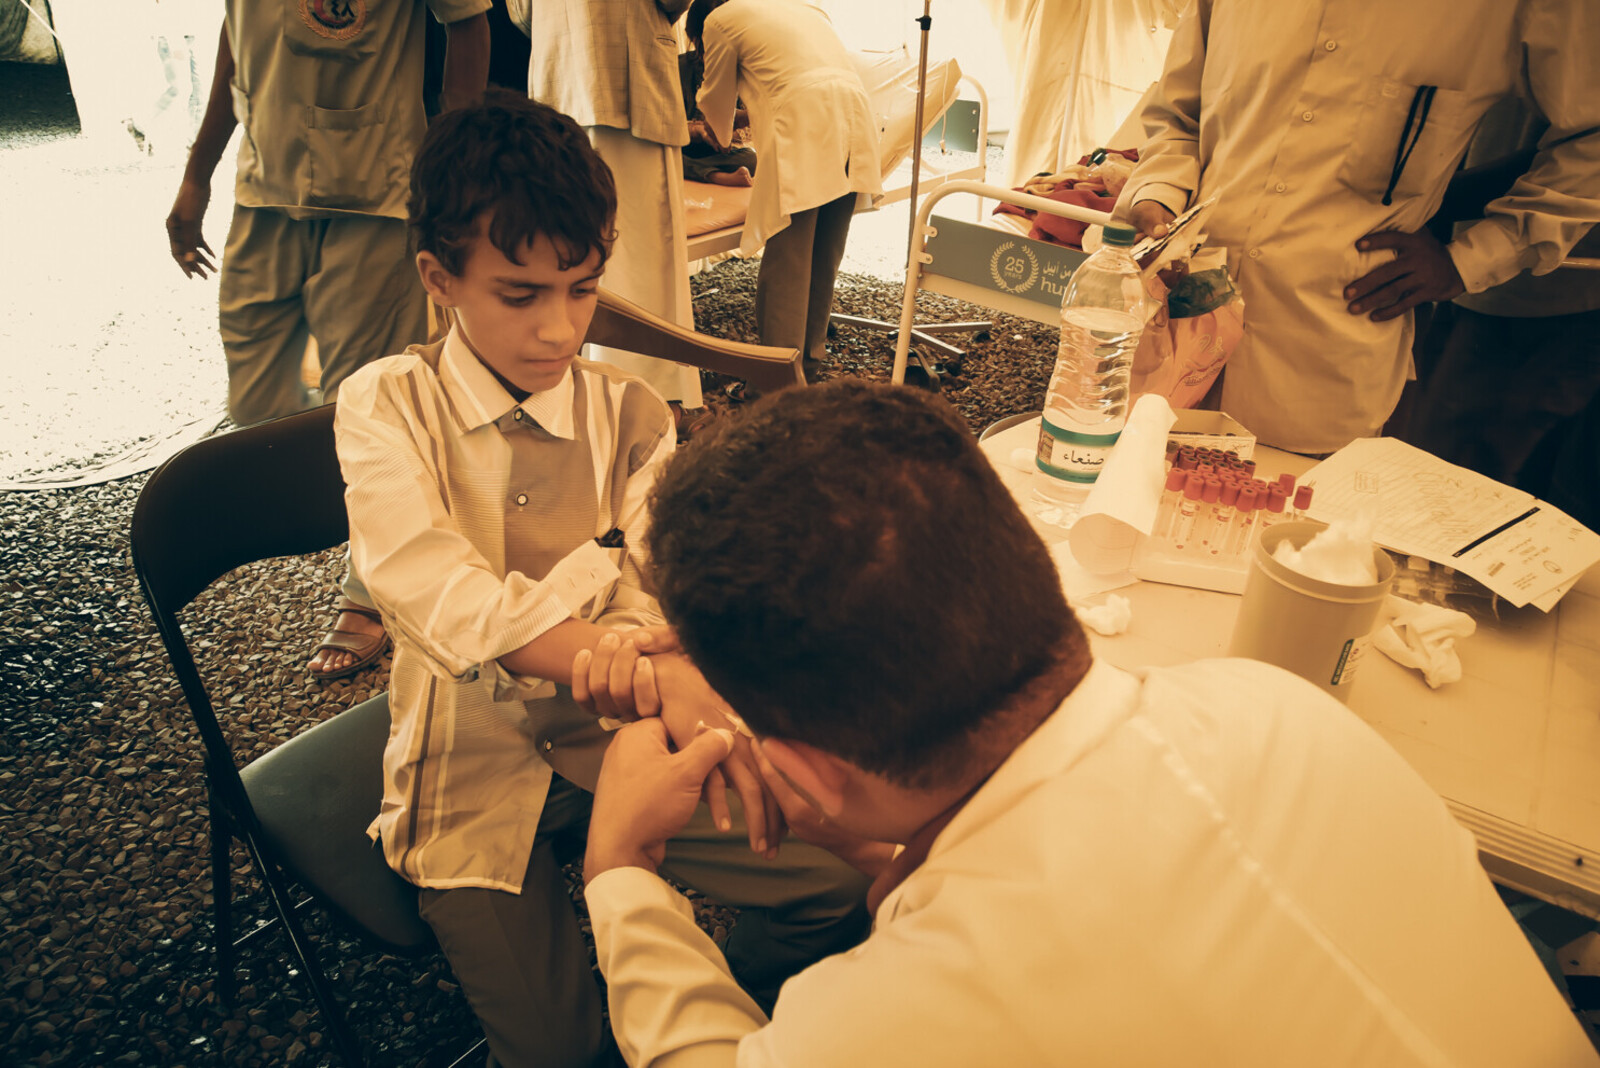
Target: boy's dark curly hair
pixel 848 571
pixel 522 167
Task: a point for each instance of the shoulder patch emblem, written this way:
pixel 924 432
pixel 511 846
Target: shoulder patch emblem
pixel 337 20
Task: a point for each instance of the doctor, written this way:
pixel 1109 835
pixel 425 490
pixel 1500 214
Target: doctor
pixel 817 142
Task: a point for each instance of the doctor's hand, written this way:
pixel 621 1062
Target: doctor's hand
pixel 188 247
pixel 646 794
pixel 1421 272
pixel 811 825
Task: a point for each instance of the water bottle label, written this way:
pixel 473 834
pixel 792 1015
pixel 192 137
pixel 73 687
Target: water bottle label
pixel 1070 455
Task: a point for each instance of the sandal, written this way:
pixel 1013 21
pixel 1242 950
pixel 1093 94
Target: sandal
pixel 366 648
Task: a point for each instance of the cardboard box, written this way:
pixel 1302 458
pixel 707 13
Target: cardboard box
pixel 1212 430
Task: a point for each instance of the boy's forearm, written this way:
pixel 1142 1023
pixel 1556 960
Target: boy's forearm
pixel 211 139
pixel 549 656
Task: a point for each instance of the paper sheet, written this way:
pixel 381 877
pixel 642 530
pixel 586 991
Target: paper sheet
pixel 1519 547
pixel 1121 508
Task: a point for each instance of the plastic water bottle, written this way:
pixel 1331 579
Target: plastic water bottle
pixel 1102 318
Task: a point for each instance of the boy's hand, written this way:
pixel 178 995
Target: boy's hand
pixel 614 680
pixel 647 794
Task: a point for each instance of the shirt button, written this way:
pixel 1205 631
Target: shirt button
pixel 548 745
pixel 522 498
pixel 517 415
pixel 1307 116
pixel 1331 45
pixel 1280 187
pixel 1255 254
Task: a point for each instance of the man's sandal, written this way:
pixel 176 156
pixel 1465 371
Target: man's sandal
pixel 366 648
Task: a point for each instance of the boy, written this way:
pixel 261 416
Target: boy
pixel 496 499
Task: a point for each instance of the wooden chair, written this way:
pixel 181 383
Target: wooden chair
pixel 622 324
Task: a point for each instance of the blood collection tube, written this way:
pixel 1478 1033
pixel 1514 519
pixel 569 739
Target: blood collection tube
pixel 1188 508
pixel 1206 527
pixel 1244 526
pixel 1250 468
pixel 1176 479
pixel 1302 502
pixel 1271 508
pixel 1227 517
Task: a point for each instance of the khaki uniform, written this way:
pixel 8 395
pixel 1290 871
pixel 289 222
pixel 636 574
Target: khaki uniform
pixel 328 94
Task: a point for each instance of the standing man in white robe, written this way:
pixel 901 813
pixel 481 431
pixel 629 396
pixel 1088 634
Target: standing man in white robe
pixel 816 140
pixel 612 65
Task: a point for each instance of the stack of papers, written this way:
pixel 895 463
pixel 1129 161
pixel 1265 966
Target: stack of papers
pixel 1525 550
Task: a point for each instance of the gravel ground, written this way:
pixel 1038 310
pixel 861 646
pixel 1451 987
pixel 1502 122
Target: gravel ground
pixel 104 893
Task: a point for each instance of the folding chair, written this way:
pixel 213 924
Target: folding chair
pixel 302 809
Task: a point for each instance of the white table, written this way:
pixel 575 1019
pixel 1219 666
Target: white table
pixel 1514 747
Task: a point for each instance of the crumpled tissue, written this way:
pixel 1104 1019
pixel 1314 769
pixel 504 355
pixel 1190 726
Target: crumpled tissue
pixel 1341 554
pixel 1109 618
pixel 1423 636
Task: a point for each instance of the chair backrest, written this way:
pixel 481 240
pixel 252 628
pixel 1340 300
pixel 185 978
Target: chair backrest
pixel 619 323
pixel 268 490
pixel 622 324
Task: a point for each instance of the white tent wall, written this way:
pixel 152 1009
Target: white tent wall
pixel 962 29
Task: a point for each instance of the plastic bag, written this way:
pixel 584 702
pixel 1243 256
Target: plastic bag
pixel 1197 326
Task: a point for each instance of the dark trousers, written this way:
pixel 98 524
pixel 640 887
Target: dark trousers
pixel 794 288
pixel 1515 399
pixel 524 964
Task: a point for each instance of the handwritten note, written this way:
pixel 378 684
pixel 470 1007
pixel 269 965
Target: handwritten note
pixel 1521 548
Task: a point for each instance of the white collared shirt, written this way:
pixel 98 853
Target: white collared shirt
pixel 472 522
pixel 1215 864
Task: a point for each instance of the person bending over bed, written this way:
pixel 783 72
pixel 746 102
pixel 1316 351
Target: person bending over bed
pixel 818 145
pixel 704 161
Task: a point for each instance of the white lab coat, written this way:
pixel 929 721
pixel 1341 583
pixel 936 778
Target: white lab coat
pixel 1215 864
pixel 815 136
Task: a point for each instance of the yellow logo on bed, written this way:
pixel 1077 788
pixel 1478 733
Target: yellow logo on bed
pixel 1013 267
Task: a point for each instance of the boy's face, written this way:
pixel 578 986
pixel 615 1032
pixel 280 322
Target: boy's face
pixel 525 321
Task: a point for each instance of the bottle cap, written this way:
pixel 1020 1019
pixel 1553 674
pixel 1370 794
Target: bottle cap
pixel 1121 236
pixel 1212 490
pixel 1193 486
pixel 1247 499
pixel 1275 498
pixel 1230 494
pixel 1186 461
pixel 1176 478
pixel 1302 498
pixel 1250 466
pixel 1286 480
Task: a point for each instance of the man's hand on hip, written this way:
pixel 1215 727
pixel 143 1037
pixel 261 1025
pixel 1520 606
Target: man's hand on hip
pixel 646 794
pixel 1421 272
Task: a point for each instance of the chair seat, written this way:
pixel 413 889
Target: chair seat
pixel 315 796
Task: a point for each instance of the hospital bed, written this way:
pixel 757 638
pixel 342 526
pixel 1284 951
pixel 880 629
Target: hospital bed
pixel 714 214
